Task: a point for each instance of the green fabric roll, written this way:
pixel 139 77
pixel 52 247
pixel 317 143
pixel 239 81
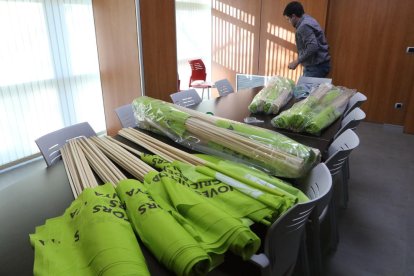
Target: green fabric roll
pixel 258 101
pixel 265 100
pixel 314 113
pixel 323 119
pixel 254 174
pixel 279 141
pixel 169 119
pixel 170 242
pixel 217 230
pixel 267 137
pixel 330 96
pixel 92 237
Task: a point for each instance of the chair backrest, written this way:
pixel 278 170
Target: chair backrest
pixel 198 70
pixel 224 87
pixel 340 149
pixel 351 121
pixel 126 115
pixel 355 101
pixel 51 143
pixel 283 237
pixel 186 98
pixel 246 81
pixel 305 86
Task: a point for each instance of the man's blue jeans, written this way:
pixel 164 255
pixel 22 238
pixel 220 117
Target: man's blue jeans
pixel 318 70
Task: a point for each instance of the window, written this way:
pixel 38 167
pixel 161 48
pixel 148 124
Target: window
pixel 193 20
pixel 49 73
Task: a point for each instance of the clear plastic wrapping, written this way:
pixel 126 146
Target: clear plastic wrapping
pixel 265 149
pixel 313 114
pixel 275 95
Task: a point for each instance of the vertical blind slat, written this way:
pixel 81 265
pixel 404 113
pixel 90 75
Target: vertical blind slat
pixel 49 74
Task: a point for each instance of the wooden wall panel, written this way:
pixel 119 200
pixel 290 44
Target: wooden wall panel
pixel 116 36
pixel 159 48
pixel 253 37
pixel 277 36
pixel 235 38
pixel 368 41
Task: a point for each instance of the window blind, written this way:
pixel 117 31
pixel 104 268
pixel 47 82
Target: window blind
pixel 49 73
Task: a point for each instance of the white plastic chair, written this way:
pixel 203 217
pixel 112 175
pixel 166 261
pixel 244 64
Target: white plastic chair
pixel 338 153
pixel 50 144
pixel 186 98
pixel 351 121
pixel 224 87
pixel 283 238
pixel 126 116
pixel 355 101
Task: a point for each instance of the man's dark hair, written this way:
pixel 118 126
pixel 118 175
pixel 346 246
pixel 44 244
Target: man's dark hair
pixel 295 8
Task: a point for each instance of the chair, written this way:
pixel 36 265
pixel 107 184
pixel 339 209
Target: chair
pixel 224 87
pixel 246 81
pixel 338 153
pixel 50 144
pixel 351 121
pixel 186 98
pixel 126 116
pixel 198 76
pixel 283 238
pixel 355 101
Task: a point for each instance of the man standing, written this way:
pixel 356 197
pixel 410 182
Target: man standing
pixel 310 41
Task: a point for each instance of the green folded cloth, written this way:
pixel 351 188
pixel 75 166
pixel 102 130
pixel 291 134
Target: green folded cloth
pixel 220 194
pixel 168 240
pixel 92 237
pixel 216 229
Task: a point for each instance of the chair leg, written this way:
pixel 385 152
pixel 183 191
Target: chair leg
pixel 303 259
pixel 345 168
pixel 346 176
pixel 202 94
pixel 314 243
pixel 333 226
pixel 345 195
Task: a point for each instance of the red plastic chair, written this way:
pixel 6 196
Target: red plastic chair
pixel 198 76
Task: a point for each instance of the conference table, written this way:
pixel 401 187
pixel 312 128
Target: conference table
pixel 46 193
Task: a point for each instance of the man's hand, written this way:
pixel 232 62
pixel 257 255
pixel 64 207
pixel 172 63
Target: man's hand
pixel 293 65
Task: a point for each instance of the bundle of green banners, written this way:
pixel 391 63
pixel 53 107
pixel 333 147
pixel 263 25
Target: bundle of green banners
pixel 93 237
pixel 271 151
pixel 249 202
pixel 317 111
pixel 240 190
pixel 275 95
pixel 187 219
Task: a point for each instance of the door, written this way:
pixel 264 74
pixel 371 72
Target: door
pixel 368 41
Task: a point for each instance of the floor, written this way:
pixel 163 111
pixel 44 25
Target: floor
pixel 377 228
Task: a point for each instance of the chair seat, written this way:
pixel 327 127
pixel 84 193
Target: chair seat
pixel 204 84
